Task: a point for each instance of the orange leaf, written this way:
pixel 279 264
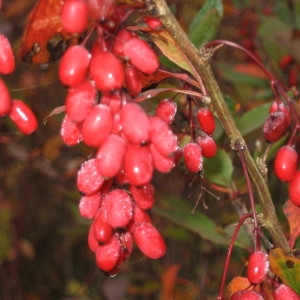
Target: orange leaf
pixel 237 284
pixel 250 69
pixel 292 213
pixel 169 278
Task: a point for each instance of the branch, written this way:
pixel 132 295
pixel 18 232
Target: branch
pixel 200 60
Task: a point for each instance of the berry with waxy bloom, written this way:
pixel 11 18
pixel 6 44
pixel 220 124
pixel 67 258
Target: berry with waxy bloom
pixel 70 132
pixel 193 158
pixel 258 266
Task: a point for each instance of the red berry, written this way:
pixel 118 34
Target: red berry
pixel 70 132
pixel 275 126
pixel 135 123
pixel 284 292
pixel 141 55
pixel 113 100
pixel 118 206
pixel 286 162
pixel 208 146
pixel 121 39
pixel 251 295
pixel 110 155
pixel 97 125
pixel 107 255
pixel 80 100
pixel 143 196
pixel 162 137
pixel 107 71
pixel 5 99
pixel 132 80
pixel 294 189
pixel 166 110
pixel 92 242
pixel 258 266
pixel 163 164
pixel 139 215
pixel 89 180
pixel 23 117
pixel 192 156
pixel 101 10
pixel 74 65
pixel 149 240
pixel 89 205
pixel 101 228
pixel 74 15
pixel 138 164
pixel 153 23
pixel 7 58
pixel 279 106
pixel 206 120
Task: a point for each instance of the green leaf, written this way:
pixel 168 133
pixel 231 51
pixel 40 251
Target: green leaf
pixel 219 169
pixel 206 29
pixel 253 119
pixel 179 212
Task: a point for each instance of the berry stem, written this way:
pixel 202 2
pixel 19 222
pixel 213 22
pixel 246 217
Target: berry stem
pixel 160 9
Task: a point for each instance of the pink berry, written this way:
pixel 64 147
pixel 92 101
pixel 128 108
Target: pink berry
pixel 162 137
pixel 149 240
pixel 143 196
pixel 275 126
pixel 206 120
pixel 153 23
pixel 141 55
pixel 284 292
pixel 74 65
pixel 192 156
pixel 163 164
pixel 107 255
pixel 138 164
pixel 23 117
pixel 7 58
pixel 166 110
pixel 258 266
pixel 208 146
pixel 100 10
pixel 113 100
pixel 132 80
pixel 251 295
pixel 74 16
pixel 92 242
pixel 102 230
pixel 5 99
pixel 70 132
pixel 97 125
pixel 118 206
pixel 121 39
pixel 135 123
pixel 286 162
pixel 110 155
pixel 89 180
pixel 294 189
pixel 89 205
pixel 107 71
pixel 80 100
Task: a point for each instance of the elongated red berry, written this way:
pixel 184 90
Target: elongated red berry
pixel 118 206
pixel 208 146
pixel 122 37
pixel 102 230
pixel 294 189
pixel 23 117
pixel 5 99
pixel 7 58
pixel 107 255
pixel 206 120
pixel 100 10
pixel 193 158
pixel 258 266
pixel 286 162
pixel 166 110
pixel 74 65
pixel 70 132
pixel 279 106
pixel 138 164
pixel 163 164
pixel 153 23
pixel 284 292
pixel 149 240
pixel 110 155
pixel 141 55
pixel 251 295
pixel 107 71
pixel 92 242
pixel 275 126
pixel 135 123
pixel 89 180
pixel 133 81
pixel 97 125
pixel 80 100
pixel 89 205
pixel 143 196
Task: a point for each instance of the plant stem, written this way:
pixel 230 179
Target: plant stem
pixel 200 60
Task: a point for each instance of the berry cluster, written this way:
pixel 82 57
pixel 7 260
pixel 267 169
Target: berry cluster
pixel 129 144
pixel 17 110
